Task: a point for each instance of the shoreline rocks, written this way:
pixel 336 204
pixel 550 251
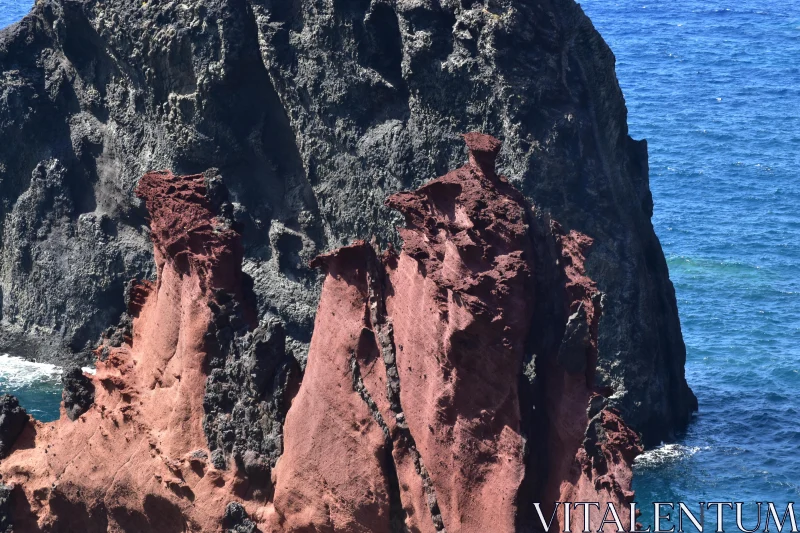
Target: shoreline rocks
pixel 13 419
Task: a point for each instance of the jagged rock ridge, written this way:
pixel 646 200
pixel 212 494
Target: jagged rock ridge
pixel 418 409
pixel 315 111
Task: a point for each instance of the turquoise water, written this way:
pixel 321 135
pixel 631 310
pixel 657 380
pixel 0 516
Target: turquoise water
pixel 715 88
pixel 37 385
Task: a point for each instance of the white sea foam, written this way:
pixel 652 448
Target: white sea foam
pixel 665 454
pixel 16 372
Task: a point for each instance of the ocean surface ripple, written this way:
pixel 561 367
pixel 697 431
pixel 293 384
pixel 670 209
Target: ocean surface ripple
pixel 715 89
pixel 13 10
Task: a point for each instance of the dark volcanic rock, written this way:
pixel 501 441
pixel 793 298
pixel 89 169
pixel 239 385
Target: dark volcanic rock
pixel 251 382
pixel 12 421
pixel 574 345
pixel 236 519
pixel 5 509
pixel 415 411
pixel 315 112
pixel 78 393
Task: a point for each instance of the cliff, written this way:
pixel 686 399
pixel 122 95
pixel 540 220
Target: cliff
pixel 315 111
pixel 431 401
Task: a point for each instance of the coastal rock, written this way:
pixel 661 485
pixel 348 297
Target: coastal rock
pixel 315 112
pixel 138 458
pixel 410 414
pixel 5 509
pixel 13 419
pixel 461 299
pixel 78 393
pixel 415 411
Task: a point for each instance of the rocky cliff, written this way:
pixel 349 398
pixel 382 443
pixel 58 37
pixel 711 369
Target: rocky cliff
pixel 315 111
pixel 432 398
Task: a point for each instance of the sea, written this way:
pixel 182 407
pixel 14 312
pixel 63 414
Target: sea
pixel 13 10
pixel 714 86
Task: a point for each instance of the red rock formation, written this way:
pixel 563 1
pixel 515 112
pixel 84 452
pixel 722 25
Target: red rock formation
pixel 412 380
pixel 136 460
pixel 460 299
pixel 409 414
pixel 588 460
pixel 332 475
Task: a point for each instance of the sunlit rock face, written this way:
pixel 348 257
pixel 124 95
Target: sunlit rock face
pixel 433 399
pixel 410 413
pixel 316 111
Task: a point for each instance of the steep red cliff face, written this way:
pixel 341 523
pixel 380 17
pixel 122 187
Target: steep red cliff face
pixel 590 449
pixel 136 460
pixel 333 472
pixel 411 413
pixel 460 298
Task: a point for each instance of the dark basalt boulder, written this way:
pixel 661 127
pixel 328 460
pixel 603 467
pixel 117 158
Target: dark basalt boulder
pixel 78 393
pixel 237 521
pixel 12 421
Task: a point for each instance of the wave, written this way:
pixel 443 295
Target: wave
pixel 664 455
pixel 17 373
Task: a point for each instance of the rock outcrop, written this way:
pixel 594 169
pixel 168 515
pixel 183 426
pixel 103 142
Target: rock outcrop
pixel 315 111
pixel 78 393
pixel 448 387
pixel 5 510
pixel 12 421
pixel 137 459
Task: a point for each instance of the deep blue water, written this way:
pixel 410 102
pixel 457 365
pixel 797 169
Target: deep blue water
pixel 13 10
pixel 715 88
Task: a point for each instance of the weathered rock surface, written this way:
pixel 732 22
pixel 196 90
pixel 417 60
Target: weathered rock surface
pixel 410 414
pixel 5 509
pixel 315 111
pixel 78 393
pixel 421 408
pixel 138 458
pixel 12 421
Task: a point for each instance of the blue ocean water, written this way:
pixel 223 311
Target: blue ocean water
pixel 13 10
pixel 715 88
pixel 36 385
